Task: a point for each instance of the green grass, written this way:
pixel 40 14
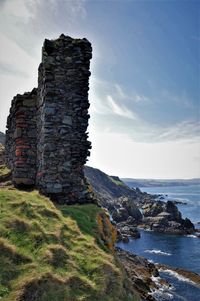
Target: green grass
pixel 50 253
pixel 4 170
pixel 85 216
pixel 117 182
pixel 5 174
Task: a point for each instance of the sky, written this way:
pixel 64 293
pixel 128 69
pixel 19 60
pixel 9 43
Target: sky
pixel 145 82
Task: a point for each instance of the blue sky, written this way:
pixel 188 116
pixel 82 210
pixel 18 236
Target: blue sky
pixel 144 88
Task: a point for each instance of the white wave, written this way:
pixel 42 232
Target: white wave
pixel 146 230
pixel 177 276
pixel 191 236
pixel 161 295
pixel 158 252
pixel 162 291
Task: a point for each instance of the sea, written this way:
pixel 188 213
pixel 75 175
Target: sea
pixel 173 250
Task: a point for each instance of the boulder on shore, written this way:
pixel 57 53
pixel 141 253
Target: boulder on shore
pixel 127 211
pixel 165 217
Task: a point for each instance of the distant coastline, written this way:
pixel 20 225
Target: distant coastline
pixel 159 182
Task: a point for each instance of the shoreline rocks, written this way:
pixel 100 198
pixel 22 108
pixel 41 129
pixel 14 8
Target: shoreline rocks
pixel 124 232
pixel 192 276
pixel 166 218
pixel 180 202
pixel 145 275
pixel 141 272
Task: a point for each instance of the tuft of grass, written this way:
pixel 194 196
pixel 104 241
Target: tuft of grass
pixel 84 215
pixel 117 181
pixel 5 173
pixel 4 170
pixel 56 255
pixel 50 253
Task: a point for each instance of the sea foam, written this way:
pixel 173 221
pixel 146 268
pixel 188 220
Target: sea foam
pixel 177 276
pixel 163 291
pixel 191 236
pixel 158 252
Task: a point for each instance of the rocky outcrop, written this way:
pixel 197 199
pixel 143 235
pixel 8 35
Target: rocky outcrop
pixel 125 231
pixel 126 209
pixel 141 273
pixel 107 188
pixel 46 138
pixel 165 217
pixel 146 278
pixel 124 206
pixel 192 276
pixel 126 216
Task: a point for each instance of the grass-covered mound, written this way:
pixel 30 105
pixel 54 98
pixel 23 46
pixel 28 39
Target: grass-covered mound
pixel 50 253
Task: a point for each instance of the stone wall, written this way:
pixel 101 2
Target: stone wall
pixel 46 140
pixel 21 144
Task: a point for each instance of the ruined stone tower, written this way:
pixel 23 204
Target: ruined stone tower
pixel 46 139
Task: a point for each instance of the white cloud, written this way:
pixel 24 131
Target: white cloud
pixel 185 130
pixel 53 15
pixel 24 24
pixel 16 8
pixel 119 109
pixel 110 99
pixel 133 96
pixel 110 103
pixel 117 154
pixel 29 22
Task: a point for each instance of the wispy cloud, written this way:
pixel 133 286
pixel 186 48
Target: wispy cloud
pixel 28 22
pixel 54 14
pixel 120 110
pixel 24 24
pixel 185 130
pixel 111 99
pixel 133 96
pixel 9 69
pixel 117 114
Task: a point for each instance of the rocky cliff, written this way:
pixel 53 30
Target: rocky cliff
pixel 125 206
pixel 106 187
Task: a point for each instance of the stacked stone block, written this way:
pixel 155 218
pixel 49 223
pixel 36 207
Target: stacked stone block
pixel 21 147
pixel 46 135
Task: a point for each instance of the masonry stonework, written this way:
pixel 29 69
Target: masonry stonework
pixel 21 147
pixel 46 138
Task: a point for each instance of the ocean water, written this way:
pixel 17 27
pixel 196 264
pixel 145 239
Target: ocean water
pixel 173 250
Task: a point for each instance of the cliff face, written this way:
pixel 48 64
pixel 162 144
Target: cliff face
pixel 107 187
pixel 46 139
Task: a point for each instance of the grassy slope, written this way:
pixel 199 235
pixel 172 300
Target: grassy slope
pixel 117 181
pixel 49 253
